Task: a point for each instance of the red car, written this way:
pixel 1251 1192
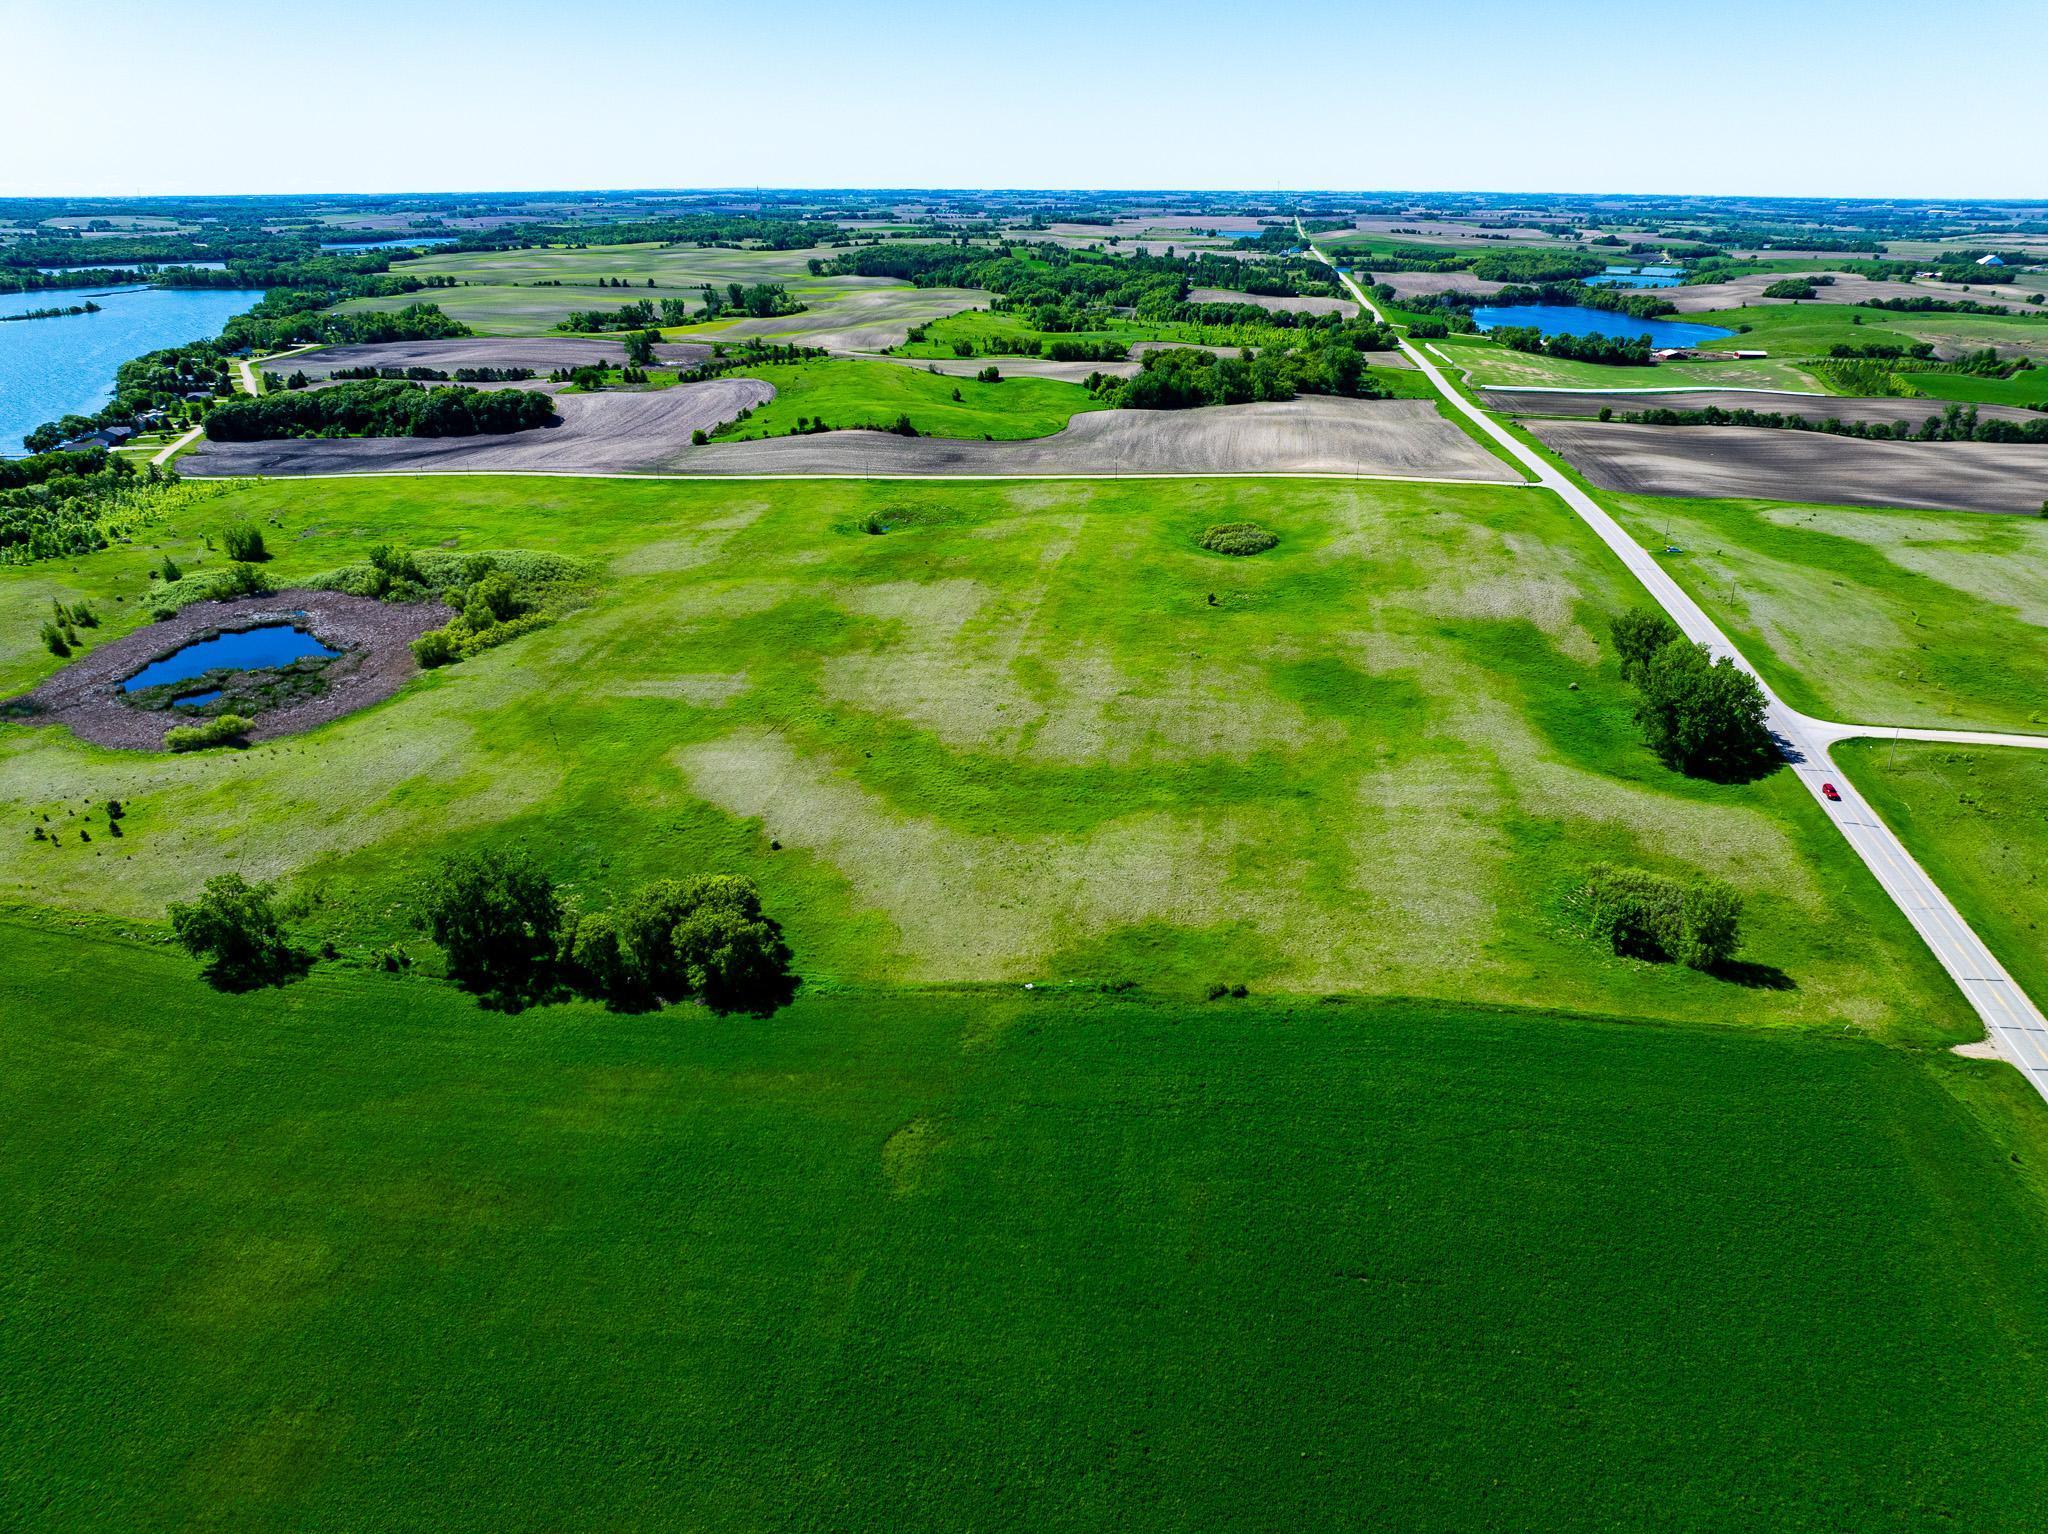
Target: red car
pixel 1827 791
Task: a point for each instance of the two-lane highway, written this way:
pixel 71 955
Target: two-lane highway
pixel 2014 1023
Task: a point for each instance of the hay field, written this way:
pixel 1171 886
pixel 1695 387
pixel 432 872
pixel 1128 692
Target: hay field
pixel 1739 461
pixel 1487 364
pixel 1010 738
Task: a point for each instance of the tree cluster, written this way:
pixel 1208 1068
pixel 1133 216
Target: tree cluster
pixel 1956 423
pixel 1613 351
pixel 1642 915
pixel 1702 717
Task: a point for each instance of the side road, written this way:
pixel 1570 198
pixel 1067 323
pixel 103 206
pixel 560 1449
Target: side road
pixel 2014 1023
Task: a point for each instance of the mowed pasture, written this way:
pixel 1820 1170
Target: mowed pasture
pixel 1882 617
pixel 1759 462
pixel 1026 732
pixel 359 1255
pixel 1977 819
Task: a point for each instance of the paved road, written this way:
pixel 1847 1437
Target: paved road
pixel 2014 1023
pixel 170 450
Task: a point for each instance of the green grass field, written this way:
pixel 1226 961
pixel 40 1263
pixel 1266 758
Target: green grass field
pixel 1893 617
pixel 358 1255
pixel 1487 364
pixel 1810 330
pixel 1010 739
pixel 1977 819
pixel 2028 390
pixel 849 393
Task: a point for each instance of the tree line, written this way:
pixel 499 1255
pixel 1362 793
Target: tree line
pixel 383 408
pixel 1957 423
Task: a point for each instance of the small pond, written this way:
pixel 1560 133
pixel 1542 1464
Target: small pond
pixel 1574 320
pixel 271 646
pixel 1632 280
pixel 196 699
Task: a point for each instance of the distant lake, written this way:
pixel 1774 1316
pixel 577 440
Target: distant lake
pixel 410 244
pixel 50 368
pixel 131 266
pixel 1630 280
pixel 1572 320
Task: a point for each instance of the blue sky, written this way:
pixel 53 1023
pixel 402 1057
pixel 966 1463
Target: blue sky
pixel 1874 98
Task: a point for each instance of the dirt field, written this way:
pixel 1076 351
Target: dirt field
pixel 1728 461
pixel 607 433
pixel 1847 289
pixel 541 353
pixel 1815 407
pixel 1419 284
pixel 1300 305
pixel 1308 435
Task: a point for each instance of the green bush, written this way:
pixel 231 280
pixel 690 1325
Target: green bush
pixel 1641 915
pixel 221 730
pixel 243 542
pixel 234 580
pixel 498 919
pixel 597 962
pixel 234 928
pixel 1238 539
pixel 54 640
pixel 435 648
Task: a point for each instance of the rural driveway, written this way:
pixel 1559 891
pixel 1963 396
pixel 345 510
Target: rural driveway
pixel 2015 1024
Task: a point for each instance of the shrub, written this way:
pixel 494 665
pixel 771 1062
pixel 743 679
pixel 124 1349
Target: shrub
pixel 243 542
pixel 1238 538
pixel 53 638
pixel 221 730
pixel 234 928
pixel 1638 634
pixel 497 917
pixel 434 648
pixel 596 960
pixel 1703 717
pixel 1641 915
pixel 169 570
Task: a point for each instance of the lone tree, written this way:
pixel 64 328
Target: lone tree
pixel 497 917
pixel 1703 717
pixel 234 928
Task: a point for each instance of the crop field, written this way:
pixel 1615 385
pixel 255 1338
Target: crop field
pixel 1900 617
pixel 1742 461
pixel 1285 304
pixel 1010 738
pixel 846 314
pixel 1487 364
pixel 1847 288
pixel 357 1254
pixel 854 393
pixel 612 432
pixel 1977 819
pixel 1590 402
pixel 543 354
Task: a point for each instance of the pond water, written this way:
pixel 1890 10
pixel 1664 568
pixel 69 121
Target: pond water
pixel 272 644
pixel 1574 320
pixel 196 699
pixel 130 266
pixel 411 243
pixel 50 368
pixel 1632 280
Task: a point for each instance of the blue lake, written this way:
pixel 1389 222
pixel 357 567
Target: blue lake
pixel 407 244
pixel 196 699
pixel 273 644
pixel 50 368
pixel 1630 280
pixel 1572 320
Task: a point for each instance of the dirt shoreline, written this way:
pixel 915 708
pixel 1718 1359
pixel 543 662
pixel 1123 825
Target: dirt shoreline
pixel 374 638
